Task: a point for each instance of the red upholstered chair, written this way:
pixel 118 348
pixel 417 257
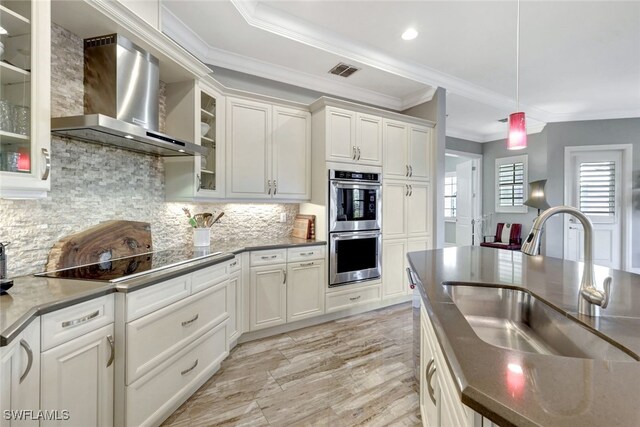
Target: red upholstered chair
pixel 515 241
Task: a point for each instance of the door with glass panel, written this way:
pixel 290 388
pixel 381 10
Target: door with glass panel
pixel 593 185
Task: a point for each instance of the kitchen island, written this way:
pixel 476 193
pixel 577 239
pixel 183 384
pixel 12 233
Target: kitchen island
pixel 517 388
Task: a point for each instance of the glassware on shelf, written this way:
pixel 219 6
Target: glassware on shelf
pixel 21 120
pixel 6 116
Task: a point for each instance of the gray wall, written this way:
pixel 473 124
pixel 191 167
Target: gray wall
pixel 464 145
pixel 536 152
pixel 594 132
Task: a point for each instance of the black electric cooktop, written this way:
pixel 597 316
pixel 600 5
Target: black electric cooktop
pixel 119 269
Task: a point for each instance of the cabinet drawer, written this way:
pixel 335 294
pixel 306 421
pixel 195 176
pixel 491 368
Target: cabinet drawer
pixel 305 253
pixel 71 322
pixel 156 296
pixel 156 336
pixel 345 299
pixel 275 256
pixel 155 395
pixel 234 265
pixel 208 277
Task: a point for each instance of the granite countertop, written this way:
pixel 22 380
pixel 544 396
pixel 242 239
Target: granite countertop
pixel 554 390
pixel 33 296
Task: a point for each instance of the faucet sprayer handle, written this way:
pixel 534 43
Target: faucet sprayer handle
pixel 607 292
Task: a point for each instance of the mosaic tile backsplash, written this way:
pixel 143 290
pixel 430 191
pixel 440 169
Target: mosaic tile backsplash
pixel 92 183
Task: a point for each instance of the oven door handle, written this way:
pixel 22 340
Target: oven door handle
pixel 356 185
pixel 355 235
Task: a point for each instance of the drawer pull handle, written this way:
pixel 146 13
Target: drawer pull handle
pixel 269 257
pixel 306 264
pixel 186 371
pixel 430 373
pixel 47 164
pixel 306 253
pixel 80 320
pixel 233 264
pixel 284 274
pixel 27 348
pixel 355 298
pixel 113 350
pixel 188 322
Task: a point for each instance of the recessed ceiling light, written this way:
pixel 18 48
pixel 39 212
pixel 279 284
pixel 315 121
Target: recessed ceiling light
pixel 409 34
pixel 128 136
pixel 181 150
pixel 3 31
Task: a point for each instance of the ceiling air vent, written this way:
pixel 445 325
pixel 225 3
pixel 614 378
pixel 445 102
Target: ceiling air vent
pixel 343 70
pixel 505 120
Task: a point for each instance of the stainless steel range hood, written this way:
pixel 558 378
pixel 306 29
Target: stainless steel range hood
pixel 121 102
pixel 101 129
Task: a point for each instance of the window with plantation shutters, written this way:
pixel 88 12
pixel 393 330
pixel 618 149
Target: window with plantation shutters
pixel 511 184
pixel 597 190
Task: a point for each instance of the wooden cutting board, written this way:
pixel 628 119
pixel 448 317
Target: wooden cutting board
pixel 107 240
pixel 300 228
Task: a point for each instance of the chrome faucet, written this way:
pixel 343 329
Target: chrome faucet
pixel 589 295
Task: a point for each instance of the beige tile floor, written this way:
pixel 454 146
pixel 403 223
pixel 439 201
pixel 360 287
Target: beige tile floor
pixel 355 371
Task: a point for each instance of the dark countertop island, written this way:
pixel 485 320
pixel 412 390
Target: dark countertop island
pixel 557 391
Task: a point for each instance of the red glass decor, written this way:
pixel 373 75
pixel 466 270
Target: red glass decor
pixel 24 161
pixel 517 139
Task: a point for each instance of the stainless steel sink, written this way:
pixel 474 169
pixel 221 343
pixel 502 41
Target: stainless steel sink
pixel 517 320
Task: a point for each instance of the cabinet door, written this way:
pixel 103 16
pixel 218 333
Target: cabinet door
pixel 394 195
pixel 395 150
pixel 394 278
pixel 77 376
pixel 210 168
pixel 291 154
pixel 268 296
pixel 418 212
pixel 234 305
pixel 305 290
pixel 25 137
pixel 341 135
pixel 369 139
pixel 429 410
pixel 419 244
pixel 248 149
pixel 20 375
pixel 420 153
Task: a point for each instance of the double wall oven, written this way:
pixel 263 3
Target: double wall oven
pixel 355 240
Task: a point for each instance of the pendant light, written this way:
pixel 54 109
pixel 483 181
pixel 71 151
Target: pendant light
pixel 517 138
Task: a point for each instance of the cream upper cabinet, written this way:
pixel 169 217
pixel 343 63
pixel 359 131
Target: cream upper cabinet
pixel 248 149
pixel 25 107
pixel 395 150
pixel 419 159
pixel 368 139
pixel 341 135
pixel 268 151
pixel 353 137
pixel 268 297
pixel 407 151
pixel 77 376
pixel 291 154
pixel 305 289
pixel 198 178
pixel 417 209
pixel 20 375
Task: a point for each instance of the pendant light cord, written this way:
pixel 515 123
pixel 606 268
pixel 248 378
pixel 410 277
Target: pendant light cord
pixel 518 58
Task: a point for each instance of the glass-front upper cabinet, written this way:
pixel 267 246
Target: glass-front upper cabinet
pixel 201 177
pixel 25 61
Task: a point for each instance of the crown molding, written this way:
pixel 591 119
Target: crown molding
pixel 262 16
pixel 598 115
pixel 418 98
pixel 465 134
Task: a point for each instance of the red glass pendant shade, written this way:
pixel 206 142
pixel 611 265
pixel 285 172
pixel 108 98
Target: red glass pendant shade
pixel 517 132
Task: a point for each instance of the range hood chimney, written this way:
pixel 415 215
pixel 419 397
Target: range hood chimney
pixel 121 91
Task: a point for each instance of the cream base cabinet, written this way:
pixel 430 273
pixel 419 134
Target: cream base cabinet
pixel 77 376
pixel 418 209
pixel 305 290
pixel 20 376
pixel 406 209
pixel 234 304
pixel 394 279
pixel 268 296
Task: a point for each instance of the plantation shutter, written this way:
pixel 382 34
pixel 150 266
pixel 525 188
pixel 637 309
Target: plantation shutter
pixel 597 188
pixel 511 184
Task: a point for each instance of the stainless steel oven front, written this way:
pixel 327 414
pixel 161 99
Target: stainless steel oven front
pixel 354 201
pixel 354 257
